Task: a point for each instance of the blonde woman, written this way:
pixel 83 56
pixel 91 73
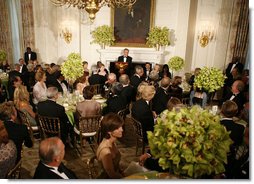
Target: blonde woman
pixel 142 112
pixel 21 101
pixel 40 88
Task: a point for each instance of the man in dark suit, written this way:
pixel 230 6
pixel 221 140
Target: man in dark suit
pixel 147 71
pixel 234 64
pixel 50 108
pixel 18 133
pixel 24 71
pixel 128 91
pixel 126 58
pixel 51 153
pixel 29 55
pixel 95 78
pixel 136 79
pixel 161 97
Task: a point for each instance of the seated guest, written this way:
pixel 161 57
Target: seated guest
pixel 40 88
pixel 50 108
pixel 18 133
pixel 236 94
pixel 21 101
pixel 85 66
pixel 3 92
pixel 107 152
pixel 199 98
pixel 140 89
pixel 51 153
pixel 8 152
pixel 115 101
pixel 161 97
pixel 13 82
pixel 31 77
pixel 103 71
pixel 147 71
pixel 165 72
pixel 88 107
pixel 174 89
pixel 191 83
pixel 229 110
pixel 136 79
pixel 95 78
pixel 141 110
pixel 154 79
pixel 128 90
pixel 109 83
pixel 173 102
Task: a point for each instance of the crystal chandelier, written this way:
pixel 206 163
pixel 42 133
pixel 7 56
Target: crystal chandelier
pixel 93 6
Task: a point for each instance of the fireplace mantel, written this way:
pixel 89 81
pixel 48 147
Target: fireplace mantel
pixel 138 55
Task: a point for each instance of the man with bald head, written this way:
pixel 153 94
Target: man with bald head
pixel 161 97
pixel 51 153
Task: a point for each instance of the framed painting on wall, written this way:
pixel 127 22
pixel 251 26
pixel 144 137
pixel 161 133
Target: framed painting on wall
pixel 131 27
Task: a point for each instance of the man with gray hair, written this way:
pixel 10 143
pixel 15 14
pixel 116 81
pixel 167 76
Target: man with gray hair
pixel 51 153
pixel 128 91
pixel 50 108
pixel 136 79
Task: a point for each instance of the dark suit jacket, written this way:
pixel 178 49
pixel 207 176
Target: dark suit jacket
pixel 96 79
pixel 239 66
pixel 135 81
pixel 52 109
pixel 129 61
pixel 239 100
pixel 128 93
pixel 44 172
pixel 19 134
pixel 141 111
pixel 33 56
pixel 114 104
pixel 160 100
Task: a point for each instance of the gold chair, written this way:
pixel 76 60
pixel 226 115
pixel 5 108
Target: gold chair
pixel 96 88
pixel 49 126
pixel 88 128
pixel 33 130
pixel 93 167
pixel 123 113
pixel 139 135
pixel 15 172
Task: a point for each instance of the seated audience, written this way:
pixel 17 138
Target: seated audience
pixel 147 70
pixel 18 133
pixel 107 152
pixel 3 92
pixel 174 89
pixel 165 72
pixel 115 101
pixel 140 89
pixel 128 90
pixel 109 83
pixel 142 112
pixel 103 71
pixel 50 166
pixel 85 66
pixel 88 107
pixel 95 78
pixel 199 98
pixel 8 152
pixel 13 82
pixel 136 79
pixel 40 88
pixel 154 79
pixel 21 101
pixel 50 108
pixel 161 97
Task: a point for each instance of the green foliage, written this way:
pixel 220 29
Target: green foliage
pixel 158 35
pixel 209 79
pixel 190 142
pixel 103 35
pixel 72 68
pixel 176 63
pixel 3 55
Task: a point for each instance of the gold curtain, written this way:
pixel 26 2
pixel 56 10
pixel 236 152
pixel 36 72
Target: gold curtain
pixel 5 34
pixel 28 23
pixel 239 36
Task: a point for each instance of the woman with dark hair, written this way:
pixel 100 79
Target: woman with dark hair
pixel 165 72
pixel 107 152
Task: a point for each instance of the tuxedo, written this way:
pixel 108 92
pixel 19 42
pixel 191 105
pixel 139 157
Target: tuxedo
pixel 135 81
pixel 239 99
pixel 141 111
pixel 24 74
pixel 50 108
pixel 160 100
pixel 19 134
pixel 97 79
pixel 114 104
pixel 146 74
pixel 129 61
pixel 238 65
pixel 44 172
pixel 33 56
pixel 128 93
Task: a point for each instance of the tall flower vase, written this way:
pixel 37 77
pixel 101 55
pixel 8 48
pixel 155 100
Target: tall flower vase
pixel 157 47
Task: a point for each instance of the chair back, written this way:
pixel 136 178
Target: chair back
pixel 94 167
pixel 89 124
pixel 50 126
pixel 122 113
pixel 137 128
pixel 15 172
pixel 96 88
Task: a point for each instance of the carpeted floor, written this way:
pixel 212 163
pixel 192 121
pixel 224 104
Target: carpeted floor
pixel 77 163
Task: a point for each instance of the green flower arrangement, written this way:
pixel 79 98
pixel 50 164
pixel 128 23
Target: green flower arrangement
pixel 176 63
pixel 3 55
pixel 190 142
pixel 158 35
pixel 72 68
pixel 209 79
pixel 103 35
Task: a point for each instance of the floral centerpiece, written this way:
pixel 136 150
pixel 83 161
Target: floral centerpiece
pixel 176 63
pixel 103 35
pixel 190 142
pixel 3 56
pixel 209 79
pixel 72 68
pixel 158 36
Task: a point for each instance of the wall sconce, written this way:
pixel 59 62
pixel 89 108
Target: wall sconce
pixel 205 35
pixel 66 35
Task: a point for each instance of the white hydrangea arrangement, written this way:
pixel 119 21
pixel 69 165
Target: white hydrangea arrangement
pixel 103 35
pixel 72 68
pixel 158 35
pixel 209 79
pixel 176 63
